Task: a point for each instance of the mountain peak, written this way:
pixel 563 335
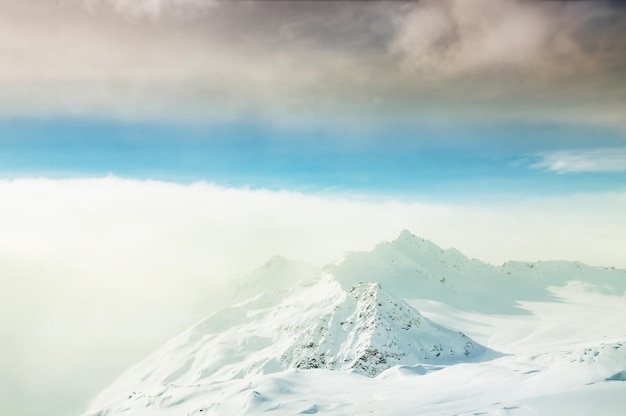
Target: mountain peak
pixel 407 265
pixel 276 275
pixel 409 241
pixel 405 235
pixel 370 331
pixel 276 261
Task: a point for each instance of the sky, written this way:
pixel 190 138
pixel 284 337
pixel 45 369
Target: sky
pixel 151 151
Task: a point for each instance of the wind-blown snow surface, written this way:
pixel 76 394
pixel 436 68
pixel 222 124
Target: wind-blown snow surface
pixel 408 328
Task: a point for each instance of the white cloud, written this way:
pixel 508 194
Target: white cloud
pixel 444 38
pixel 585 160
pixel 156 9
pixel 101 271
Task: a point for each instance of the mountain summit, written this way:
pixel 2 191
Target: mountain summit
pixel 370 331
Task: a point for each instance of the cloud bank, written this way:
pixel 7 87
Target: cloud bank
pixel 344 61
pixel 101 271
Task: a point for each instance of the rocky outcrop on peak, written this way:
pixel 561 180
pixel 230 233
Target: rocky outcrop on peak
pixel 371 331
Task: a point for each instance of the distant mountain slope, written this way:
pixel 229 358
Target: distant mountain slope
pixel 413 267
pixel 277 275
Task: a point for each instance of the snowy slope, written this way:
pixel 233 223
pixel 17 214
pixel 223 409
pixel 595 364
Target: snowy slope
pixel 523 338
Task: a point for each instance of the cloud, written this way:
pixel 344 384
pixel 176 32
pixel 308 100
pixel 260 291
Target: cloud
pixel 155 9
pixel 312 62
pixel 449 38
pixel 233 60
pixel 101 271
pixel 585 160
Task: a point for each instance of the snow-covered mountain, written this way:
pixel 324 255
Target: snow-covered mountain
pixel 294 333
pixel 369 331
